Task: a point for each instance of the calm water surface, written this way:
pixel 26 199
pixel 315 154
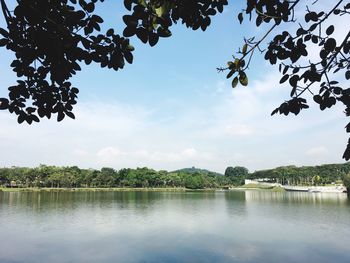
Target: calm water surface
pixel 231 226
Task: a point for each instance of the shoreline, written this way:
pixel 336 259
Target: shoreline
pixel 133 189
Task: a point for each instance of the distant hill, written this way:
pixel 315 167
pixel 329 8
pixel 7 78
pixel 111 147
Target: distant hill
pixel 193 170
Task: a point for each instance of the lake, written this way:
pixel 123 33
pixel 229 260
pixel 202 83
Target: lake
pixel 146 226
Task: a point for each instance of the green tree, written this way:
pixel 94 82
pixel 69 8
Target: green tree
pixel 42 172
pixel 122 174
pixel 236 175
pixel 5 176
pixel 194 181
pixel 306 175
pixel 173 180
pixel 87 177
pixel 346 182
pixel 56 179
pixel 106 177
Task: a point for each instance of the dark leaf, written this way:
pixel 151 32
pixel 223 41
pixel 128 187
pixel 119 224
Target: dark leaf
pixel 346 154
pixel 229 75
pixel 347 127
pixel 4 33
pixel 330 44
pixel 347 74
pixel 90 7
pixel 330 30
pixel 128 57
pixel 284 78
pixel 110 32
pixel 35 118
pixel 313 27
pixel 128 4
pixel 153 39
pixel 4 103
pixel 243 79
pixel 318 99
pixel 21 118
pixel 3 42
pixel 142 34
pixel 70 114
pixel 244 49
pixel 60 116
pixel 129 32
pixel 293 81
pixel 274 111
pixel 240 18
pixel 234 82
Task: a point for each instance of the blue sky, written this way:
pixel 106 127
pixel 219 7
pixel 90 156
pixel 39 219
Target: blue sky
pixel 171 109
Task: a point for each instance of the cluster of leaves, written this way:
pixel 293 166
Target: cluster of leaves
pixel 50 39
pixel 238 68
pixel 152 19
pixel 267 11
pixel 290 51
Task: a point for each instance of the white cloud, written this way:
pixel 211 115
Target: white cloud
pixel 234 127
pixel 239 129
pixel 190 153
pixel 108 155
pixel 80 152
pixel 221 86
pixel 113 156
pixel 108 152
pixel 317 151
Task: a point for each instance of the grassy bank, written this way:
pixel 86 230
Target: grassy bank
pixel 261 187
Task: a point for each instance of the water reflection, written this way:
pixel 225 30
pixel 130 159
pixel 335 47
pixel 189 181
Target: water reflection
pixel 222 226
pixel 235 203
pixel 298 197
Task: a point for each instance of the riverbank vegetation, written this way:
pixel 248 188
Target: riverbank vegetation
pixel 190 178
pixel 74 177
pixel 306 175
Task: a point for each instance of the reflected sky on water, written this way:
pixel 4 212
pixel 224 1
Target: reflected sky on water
pixel 142 226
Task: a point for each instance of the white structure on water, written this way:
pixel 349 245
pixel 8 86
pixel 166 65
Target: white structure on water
pixel 312 189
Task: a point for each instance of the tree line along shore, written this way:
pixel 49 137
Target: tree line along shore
pixel 45 176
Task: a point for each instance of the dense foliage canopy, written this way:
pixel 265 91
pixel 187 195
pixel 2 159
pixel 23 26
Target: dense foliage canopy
pixel 51 39
pixel 305 175
pixel 191 178
pixel 236 174
pixel 52 176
